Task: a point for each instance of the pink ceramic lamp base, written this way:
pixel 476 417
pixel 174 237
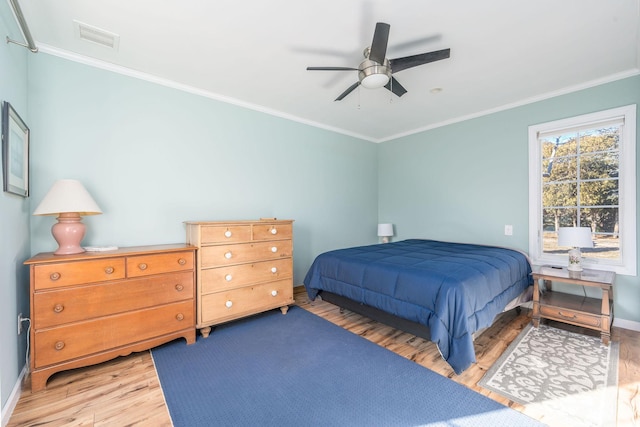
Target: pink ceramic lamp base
pixel 68 232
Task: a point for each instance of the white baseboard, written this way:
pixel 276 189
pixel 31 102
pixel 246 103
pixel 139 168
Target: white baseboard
pixel 626 324
pixel 12 401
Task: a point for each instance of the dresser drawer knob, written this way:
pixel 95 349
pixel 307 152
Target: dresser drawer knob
pixel 54 276
pixel 229 304
pixel 228 233
pixel 228 277
pixel 180 317
pixel 274 249
pixel 274 270
pixel 142 266
pixel 59 345
pixel 274 230
pixel 228 255
pixel 58 308
pixel 179 287
pixel 109 270
pixel 274 293
pixel 182 261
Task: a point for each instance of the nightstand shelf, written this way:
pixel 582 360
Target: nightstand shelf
pixel 587 312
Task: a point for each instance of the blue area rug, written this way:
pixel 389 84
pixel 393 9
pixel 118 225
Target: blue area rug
pixel 301 370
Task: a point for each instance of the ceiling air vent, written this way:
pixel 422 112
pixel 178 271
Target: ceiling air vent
pixel 96 35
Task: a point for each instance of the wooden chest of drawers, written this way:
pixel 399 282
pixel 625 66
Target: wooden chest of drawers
pixel 95 306
pixel 243 268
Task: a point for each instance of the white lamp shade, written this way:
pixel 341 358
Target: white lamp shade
pixel 385 230
pixel 575 237
pixel 67 195
pixel 375 81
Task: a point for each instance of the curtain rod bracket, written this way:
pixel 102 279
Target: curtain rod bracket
pixel 22 23
pixel 32 49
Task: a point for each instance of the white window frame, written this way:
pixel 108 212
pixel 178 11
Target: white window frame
pixel 627 190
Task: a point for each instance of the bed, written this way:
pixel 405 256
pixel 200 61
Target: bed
pixel 442 291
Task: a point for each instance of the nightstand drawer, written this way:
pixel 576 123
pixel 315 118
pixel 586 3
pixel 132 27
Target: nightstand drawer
pixel 570 316
pixel 73 273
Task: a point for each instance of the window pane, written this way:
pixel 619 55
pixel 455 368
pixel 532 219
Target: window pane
pixel 599 193
pixel 560 169
pixel 559 194
pixel 605 139
pixel 606 240
pixel 552 220
pixel 603 221
pixel 599 165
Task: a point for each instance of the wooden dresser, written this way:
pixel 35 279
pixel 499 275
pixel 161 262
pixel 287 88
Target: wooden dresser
pixel 243 268
pixel 94 306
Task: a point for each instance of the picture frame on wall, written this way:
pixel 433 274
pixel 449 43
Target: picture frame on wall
pixel 15 152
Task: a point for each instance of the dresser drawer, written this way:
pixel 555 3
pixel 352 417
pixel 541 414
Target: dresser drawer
pixel 73 273
pixel 225 234
pixel 214 256
pixel 235 303
pixel 56 307
pixel 146 265
pixel 64 343
pixel 272 231
pixel 570 316
pixel 221 278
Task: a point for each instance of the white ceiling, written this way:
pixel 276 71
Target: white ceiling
pixel 255 52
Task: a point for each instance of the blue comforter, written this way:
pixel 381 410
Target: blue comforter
pixel 455 289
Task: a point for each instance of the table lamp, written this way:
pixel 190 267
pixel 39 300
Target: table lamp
pixel 385 231
pixel 576 238
pixel 68 199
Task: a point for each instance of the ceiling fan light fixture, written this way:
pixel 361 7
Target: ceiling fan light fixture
pixel 375 81
pixel 373 75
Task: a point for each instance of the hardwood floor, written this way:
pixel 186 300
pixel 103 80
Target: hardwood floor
pixel 126 391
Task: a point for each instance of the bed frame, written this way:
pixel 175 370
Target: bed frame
pixel 396 322
pixel 413 328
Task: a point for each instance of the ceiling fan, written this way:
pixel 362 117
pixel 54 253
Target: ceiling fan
pixel 376 70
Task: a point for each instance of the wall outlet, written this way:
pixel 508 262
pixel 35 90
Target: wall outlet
pixel 508 230
pixel 19 323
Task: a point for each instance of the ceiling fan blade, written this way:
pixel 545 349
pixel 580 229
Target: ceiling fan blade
pixel 414 43
pixel 378 49
pixel 395 87
pixel 348 91
pixel 400 64
pixel 332 69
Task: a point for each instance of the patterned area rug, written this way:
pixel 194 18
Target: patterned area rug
pixel 570 376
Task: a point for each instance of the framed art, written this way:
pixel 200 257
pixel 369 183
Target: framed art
pixel 15 152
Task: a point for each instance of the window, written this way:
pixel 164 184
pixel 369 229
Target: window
pixel 582 174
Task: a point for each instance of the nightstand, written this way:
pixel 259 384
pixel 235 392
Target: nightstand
pixel 587 312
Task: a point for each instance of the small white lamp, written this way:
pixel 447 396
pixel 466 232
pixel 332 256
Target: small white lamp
pixel 68 199
pixel 576 238
pixel 385 231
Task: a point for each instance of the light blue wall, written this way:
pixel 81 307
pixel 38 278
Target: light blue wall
pixel 466 181
pixel 153 157
pixel 14 220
